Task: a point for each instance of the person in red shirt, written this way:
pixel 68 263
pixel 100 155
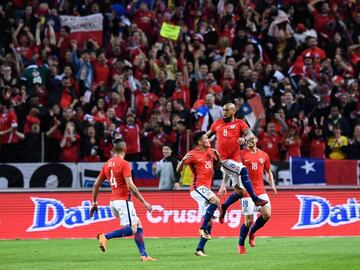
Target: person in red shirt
pixel 131 134
pixel 257 162
pixel 144 100
pixel 70 144
pixel 322 19
pixel 101 69
pixel 231 132
pixel 292 142
pixel 182 90
pixel 269 141
pixel 9 136
pixel 201 162
pixel 118 172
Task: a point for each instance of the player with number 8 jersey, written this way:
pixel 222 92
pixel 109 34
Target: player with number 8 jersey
pixel 230 134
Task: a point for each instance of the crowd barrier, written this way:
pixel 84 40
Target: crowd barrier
pixel 297 171
pixel 295 212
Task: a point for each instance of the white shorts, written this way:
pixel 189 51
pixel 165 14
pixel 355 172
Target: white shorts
pixel 125 211
pixel 231 169
pixel 202 196
pixel 248 207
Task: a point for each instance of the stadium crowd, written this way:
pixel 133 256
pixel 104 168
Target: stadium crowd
pixel 290 66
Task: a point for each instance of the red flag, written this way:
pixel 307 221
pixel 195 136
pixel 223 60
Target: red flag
pixel 341 172
pixel 84 28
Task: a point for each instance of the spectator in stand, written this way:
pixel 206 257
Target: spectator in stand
pixel 270 140
pixel 335 118
pixel 183 139
pixel 291 142
pixel 322 19
pixel 180 110
pixel 215 111
pixel 90 146
pixel 290 106
pixel 156 139
pixel 70 144
pixel 130 132
pixel 165 169
pixel 9 135
pixel 32 144
pixel 353 149
pixel 317 145
pixel 144 101
pixel 337 144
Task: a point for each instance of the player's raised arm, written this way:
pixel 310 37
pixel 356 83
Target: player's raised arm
pixel 210 134
pixel 248 135
pixel 183 163
pixel 136 192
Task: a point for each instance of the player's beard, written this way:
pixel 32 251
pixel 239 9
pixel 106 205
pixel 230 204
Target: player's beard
pixel 227 119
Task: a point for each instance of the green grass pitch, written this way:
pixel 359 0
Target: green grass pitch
pixel 270 253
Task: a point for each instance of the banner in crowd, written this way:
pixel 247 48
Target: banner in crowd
pixel 76 175
pixel 84 28
pixel 175 214
pixel 142 174
pixel 320 171
pixel 39 175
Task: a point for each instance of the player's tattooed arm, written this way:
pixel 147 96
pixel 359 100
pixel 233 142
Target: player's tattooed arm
pixel 248 136
pixel 134 190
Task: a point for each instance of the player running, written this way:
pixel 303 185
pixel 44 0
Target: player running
pixel 118 172
pixel 257 162
pixel 201 160
pixel 230 134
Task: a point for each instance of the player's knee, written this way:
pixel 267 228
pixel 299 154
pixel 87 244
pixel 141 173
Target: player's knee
pixel 248 223
pixel 134 228
pixel 241 192
pixel 266 216
pixel 216 201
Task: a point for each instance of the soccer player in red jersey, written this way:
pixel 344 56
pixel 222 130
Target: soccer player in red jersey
pixel 257 162
pixel 118 172
pixel 201 161
pixel 230 134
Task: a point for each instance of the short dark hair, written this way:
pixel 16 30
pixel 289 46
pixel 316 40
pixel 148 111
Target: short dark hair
pixel 197 137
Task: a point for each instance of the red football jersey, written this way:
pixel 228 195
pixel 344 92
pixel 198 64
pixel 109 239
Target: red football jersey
pixel 227 135
pixel 115 170
pixel 8 120
pixel 256 163
pixel 201 165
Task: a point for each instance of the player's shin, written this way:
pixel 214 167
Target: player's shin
pixel 243 234
pixel 233 198
pixel 209 214
pixel 139 240
pixel 260 222
pixel 125 231
pixel 245 179
pixel 203 241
